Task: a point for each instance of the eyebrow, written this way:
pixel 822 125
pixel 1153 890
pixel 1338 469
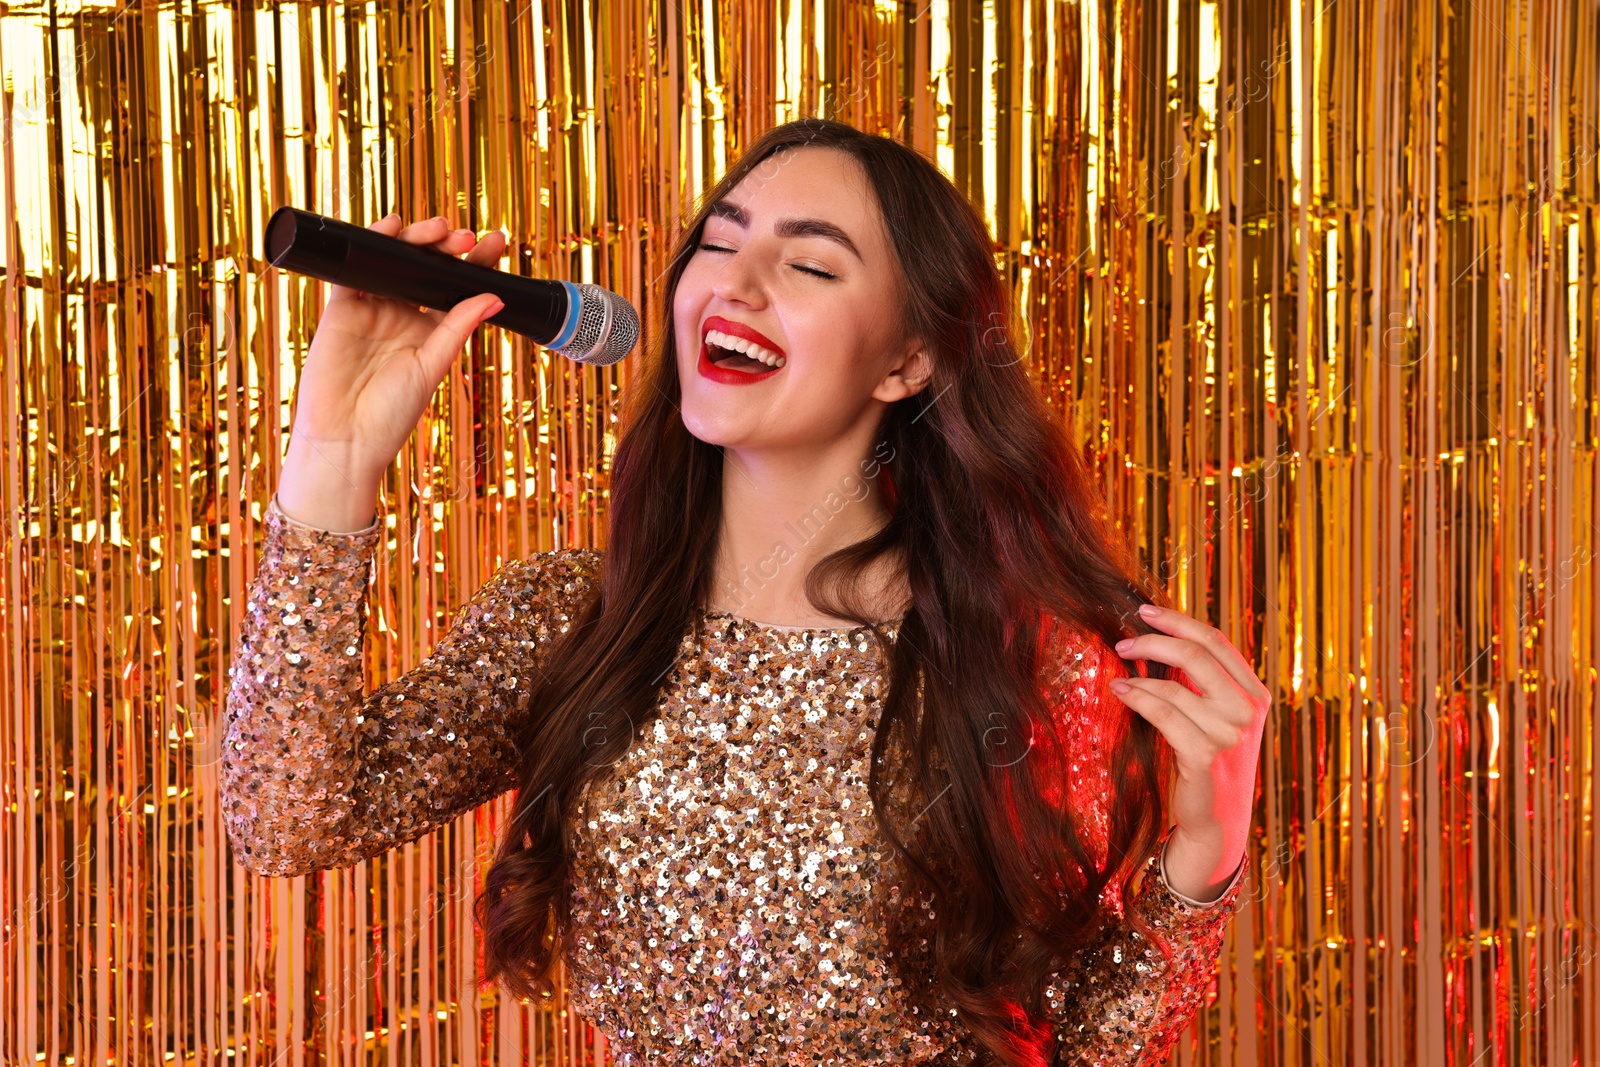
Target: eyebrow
pixel 788 227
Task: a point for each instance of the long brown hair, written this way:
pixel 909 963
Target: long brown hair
pixel 1001 536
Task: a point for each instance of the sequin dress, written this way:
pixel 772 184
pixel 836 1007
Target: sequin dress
pixel 727 876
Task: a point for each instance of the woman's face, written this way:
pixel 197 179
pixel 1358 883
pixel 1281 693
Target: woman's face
pixel 796 259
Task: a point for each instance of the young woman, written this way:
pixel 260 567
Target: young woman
pixel 835 754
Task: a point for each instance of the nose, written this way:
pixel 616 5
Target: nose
pixel 738 280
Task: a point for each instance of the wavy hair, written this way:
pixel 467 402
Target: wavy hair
pixel 1001 536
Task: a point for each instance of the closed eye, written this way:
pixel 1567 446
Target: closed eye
pixel 805 270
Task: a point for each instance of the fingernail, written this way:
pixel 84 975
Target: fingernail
pixel 1119 686
pixel 391 215
pixel 1149 611
pixel 1125 644
pixel 496 306
pixel 467 232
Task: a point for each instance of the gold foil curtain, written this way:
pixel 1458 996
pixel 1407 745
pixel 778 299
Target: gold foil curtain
pixel 1318 281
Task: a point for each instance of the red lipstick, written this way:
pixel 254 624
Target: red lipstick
pixel 725 375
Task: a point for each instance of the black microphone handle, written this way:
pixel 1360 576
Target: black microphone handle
pixel 359 258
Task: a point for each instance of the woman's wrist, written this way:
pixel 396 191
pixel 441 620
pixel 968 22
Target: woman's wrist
pixel 324 487
pixel 1200 871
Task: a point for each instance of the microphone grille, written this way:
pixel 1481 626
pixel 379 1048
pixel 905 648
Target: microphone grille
pixel 608 327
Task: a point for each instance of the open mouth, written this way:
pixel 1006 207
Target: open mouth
pixel 735 353
pixel 729 359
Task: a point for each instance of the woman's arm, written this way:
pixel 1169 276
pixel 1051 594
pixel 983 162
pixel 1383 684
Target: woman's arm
pixel 1125 1000
pixel 313 774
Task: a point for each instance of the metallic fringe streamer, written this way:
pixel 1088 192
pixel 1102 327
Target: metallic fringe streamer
pixel 1316 280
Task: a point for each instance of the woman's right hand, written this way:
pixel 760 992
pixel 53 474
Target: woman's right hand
pixel 372 368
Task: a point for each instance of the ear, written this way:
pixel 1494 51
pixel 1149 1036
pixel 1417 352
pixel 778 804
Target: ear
pixel 909 375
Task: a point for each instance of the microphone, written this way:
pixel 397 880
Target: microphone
pixel 582 322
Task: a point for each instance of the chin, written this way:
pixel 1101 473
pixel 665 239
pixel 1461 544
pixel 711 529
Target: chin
pixel 710 429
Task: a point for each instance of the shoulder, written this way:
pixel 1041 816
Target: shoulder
pixel 566 562
pixel 559 577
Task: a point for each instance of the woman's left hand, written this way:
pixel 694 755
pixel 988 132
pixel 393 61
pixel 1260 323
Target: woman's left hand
pixel 1214 726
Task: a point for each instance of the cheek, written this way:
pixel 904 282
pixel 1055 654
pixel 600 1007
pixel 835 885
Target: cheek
pixel 826 377
pixel 695 281
pixel 849 346
pixel 683 314
pixel 687 303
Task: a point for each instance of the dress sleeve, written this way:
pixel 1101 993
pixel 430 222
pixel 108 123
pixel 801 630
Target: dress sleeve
pixel 315 775
pixel 1125 999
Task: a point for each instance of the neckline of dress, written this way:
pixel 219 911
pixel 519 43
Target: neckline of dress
pixel 751 624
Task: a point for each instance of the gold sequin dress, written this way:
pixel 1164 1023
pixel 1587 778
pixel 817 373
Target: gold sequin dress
pixel 725 881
